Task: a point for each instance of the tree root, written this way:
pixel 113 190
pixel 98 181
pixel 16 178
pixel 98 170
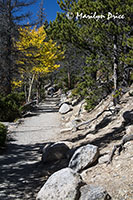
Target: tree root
pixel 120 147
pixel 80 108
pixel 89 121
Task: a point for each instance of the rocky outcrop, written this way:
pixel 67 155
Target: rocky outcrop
pixel 91 192
pixel 62 185
pixel 84 157
pixel 53 152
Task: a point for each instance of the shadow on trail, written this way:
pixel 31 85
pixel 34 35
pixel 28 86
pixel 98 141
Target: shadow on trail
pixel 22 172
pixel 46 110
pixel 50 105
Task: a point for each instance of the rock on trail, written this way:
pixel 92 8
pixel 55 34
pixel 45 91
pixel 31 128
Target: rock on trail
pixel 21 172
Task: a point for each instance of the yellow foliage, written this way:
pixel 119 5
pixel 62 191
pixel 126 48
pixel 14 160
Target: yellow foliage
pixel 37 55
pixel 16 84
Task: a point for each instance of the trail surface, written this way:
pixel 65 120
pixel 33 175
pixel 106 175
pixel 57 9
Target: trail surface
pixel 21 170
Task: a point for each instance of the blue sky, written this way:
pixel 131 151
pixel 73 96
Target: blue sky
pixel 51 8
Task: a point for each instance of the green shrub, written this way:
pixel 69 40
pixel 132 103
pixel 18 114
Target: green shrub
pixel 9 106
pixel 42 94
pixel 3 133
pixel 92 100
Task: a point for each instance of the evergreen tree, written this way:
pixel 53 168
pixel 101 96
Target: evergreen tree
pixel 61 30
pixel 99 28
pixel 108 34
pixel 10 21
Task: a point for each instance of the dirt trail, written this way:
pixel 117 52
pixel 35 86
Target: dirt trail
pixel 21 171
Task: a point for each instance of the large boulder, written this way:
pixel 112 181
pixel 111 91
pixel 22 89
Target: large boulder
pixel 65 108
pixel 62 185
pixel 84 157
pixel 53 152
pixel 90 192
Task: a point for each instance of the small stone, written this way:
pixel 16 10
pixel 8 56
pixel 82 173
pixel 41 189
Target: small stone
pixel 103 159
pixel 117 166
pixel 65 130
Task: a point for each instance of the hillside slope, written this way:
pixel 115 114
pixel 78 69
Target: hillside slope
pixel 105 132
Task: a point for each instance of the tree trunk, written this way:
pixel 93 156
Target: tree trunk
pixel 38 87
pixel 9 52
pixel 37 93
pixel 30 88
pixel 25 92
pixel 115 97
pixel 69 79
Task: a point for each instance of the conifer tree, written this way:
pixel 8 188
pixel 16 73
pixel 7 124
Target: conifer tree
pixel 98 28
pixel 10 21
pixel 61 30
pixel 108 33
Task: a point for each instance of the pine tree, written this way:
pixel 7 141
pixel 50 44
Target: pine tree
pixel 10 21
pixel 106 36
pixel 61 30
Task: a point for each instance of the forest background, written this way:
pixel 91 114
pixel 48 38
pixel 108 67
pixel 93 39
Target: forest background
pixel 76 51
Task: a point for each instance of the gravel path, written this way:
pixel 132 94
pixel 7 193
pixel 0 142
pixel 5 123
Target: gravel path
pixel 21 171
